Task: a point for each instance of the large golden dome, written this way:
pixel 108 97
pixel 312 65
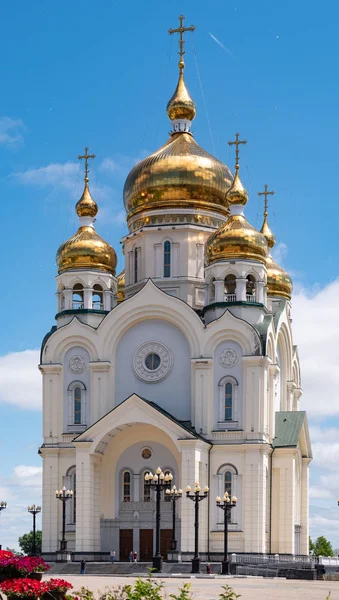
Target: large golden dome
pixel 86 249
pixel 180 176
pixel 279 283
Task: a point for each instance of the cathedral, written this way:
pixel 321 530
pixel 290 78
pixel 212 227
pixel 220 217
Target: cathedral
pixel 185 360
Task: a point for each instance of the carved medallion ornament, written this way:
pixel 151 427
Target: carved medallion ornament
pixel 77 364
pixel 228 358
pixel 152 362
pixel 146 453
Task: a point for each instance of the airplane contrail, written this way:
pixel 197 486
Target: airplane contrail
pixel 224 48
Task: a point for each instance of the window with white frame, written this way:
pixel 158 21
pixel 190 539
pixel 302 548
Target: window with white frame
pixel 78 297
pixel 167 259
pixel 126 486
pixel 228 481
pixel 228 400
pixel 76 404
pixel 97 298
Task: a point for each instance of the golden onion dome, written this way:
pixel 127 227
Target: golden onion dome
pixel 181 105
pixel 279 283
pixel 180 176
pixel 86 249
pixel 236 239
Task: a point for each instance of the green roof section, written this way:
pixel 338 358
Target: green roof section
pixel 288 427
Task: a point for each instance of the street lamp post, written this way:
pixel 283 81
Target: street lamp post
pixel 34 510
pixel 227 505
pixel 174 496
pixel 196 497
pixel 3 505
pixel 158 482
pixel 63 495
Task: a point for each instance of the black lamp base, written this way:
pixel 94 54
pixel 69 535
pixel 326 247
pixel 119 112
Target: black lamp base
pixel 225 567
pixel 195 565
pixel 157 563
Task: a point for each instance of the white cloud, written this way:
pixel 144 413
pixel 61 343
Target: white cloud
pixel 19 490
pixel 20 380
pixel 316 333
pixel 53 175
pixel 109 165
pixel 279 253
pixel 10 131
pixel 317 491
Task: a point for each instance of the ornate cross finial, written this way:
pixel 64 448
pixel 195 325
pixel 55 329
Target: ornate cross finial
pixel 237 143
pixel 265 193
pixel 181 30
pixel 86 156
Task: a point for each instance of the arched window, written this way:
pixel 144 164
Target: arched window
pixel 167 259
pixel 230 288
pixel 98 298
pixel 147 489
pixel 78 296
pixel 228 483
pixel 228 401
pixel 250 288
pixel 136 264
pixel 126 484
pixel 77 405
pixel 228 480
pixel 212 290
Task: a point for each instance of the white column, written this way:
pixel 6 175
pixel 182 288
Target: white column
pixel 273 371
pixel 88 500
pixel 241 289
pixel 175 260
pixel 190 458
pixel 97 399
pixel 283 501
pixel 304 521
pixel 296 397
pixel 88 293
pixel 202 394
pixel 254 499
pixel 51 523
pixel 219 290
pixel 260 292
pixel 158 260
pixel 53 401
pixel 107 299
pixel 68 298
pixel 290 395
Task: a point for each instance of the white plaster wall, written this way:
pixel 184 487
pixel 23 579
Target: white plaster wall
pixel 132 461
pixel 69 377
pixel 172 393
pixel 235 372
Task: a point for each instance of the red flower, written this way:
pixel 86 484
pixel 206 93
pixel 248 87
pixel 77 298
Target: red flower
pixel 29 588
pixel 57 585
pixel 6 554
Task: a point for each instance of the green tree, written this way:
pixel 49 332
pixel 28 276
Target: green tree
pixel 322 547
pixel 26 542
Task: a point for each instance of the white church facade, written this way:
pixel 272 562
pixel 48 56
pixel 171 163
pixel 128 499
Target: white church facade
pixel 185 360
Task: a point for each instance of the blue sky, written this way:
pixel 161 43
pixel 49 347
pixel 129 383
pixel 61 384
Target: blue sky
pixel 76 74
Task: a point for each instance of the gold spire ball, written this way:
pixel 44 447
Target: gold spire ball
pixel 236 239
pixel 86 249
pixel 180 178
pixel 279 283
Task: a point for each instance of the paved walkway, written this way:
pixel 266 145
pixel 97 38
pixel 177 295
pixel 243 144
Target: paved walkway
pixel 250 588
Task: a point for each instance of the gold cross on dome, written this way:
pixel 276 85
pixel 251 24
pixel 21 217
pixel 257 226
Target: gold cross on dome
pixel 266 193
pixel 181 30
pixel 86 156
pixel 237 143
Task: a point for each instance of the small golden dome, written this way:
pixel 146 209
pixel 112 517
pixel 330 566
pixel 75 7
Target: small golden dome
pixel 121 286
pixel 181 105
pixel 178 175
pixel 86 206
pixel 237 193
pixel 86 250
pixel 279 283
pixel 236 239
